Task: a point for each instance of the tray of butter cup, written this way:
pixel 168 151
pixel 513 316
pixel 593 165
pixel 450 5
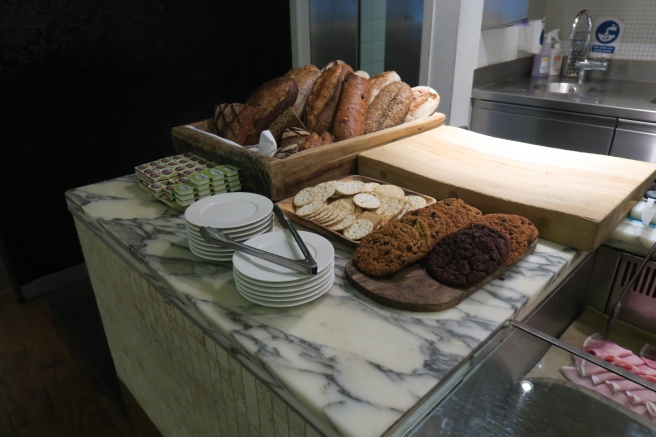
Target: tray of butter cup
pixel 180 180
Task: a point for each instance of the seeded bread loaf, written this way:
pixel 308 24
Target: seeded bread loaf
pixel 380 81
pixel 389 108
pixel 269 101
pixel 324 97
pixel 352 107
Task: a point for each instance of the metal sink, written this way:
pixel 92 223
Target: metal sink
pixel 565 88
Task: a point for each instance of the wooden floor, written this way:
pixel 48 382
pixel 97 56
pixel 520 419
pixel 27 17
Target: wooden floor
pixel 46 388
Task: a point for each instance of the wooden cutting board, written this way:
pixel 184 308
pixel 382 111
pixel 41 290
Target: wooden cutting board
pixel 574 198
pixel 413 289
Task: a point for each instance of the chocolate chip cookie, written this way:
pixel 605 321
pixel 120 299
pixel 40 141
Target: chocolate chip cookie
pixel 520 230
pixel 424 226
pixel 460 213
pixel 441 224
pixel 384 252
pixel 468 256
pixel 421 244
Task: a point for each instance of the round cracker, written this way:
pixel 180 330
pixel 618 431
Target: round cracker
pixel 310 208
pixel 349 188
pixel 366 201
pixel 335 219
pixel 390 190
pixel 417 202
pixel 345 204
pixel 345 223
pixel 305 196
pixel 369 187
pixel 358 230
pixel 325 190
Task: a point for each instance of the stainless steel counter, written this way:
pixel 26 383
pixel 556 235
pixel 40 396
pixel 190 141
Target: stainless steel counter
pixel 608 97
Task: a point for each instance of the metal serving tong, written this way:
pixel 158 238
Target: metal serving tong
pixel 618 306
pixel 307 265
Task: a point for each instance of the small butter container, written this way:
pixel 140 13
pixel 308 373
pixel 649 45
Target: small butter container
pixel 233 178
pixel 169 173
pixel 185 202
pixel 229 169
pixel 188 155
pixel 234 188
pixel 184 198
pixel 214 174
pixel 203 192
pixel 198 179
pixel 154 189
pixel 234 183
pixel 220 191
pixel 220 186
pixel 183 189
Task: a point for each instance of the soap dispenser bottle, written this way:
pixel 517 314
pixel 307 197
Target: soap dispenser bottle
pixel 556 56
pixel 541 60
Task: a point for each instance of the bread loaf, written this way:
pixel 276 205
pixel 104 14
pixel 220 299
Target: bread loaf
pixel 352 107
pixel 363 73
pixel 389 108
pixel 381 80
pixel 311 141
pixel 269 101
pixel 286 120
pixel 233 121
pixel 326 138
pixel 305 77
pixel 324 97
pixel 293 136
pixel 425 101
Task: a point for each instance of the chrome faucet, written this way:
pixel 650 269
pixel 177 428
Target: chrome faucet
pixel 586 64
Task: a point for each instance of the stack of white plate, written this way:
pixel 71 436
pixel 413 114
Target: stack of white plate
pixel 270 284
pixel 240 215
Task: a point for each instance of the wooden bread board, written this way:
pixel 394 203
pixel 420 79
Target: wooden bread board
pixel 413 289
pixel 281 178
pixel 573 198
pixel 287 205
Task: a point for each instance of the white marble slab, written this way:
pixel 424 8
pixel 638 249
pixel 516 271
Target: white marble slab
pixel 354 363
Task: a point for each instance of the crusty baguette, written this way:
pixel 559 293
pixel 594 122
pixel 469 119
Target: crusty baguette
pixel 425 101
pixel 233 121
pixel 324 97
pixel 380 81
pixel 389 108
pixel 305 77
pixel 269 101
pixel 352 107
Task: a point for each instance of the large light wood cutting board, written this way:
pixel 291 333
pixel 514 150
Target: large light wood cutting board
pixel 573 198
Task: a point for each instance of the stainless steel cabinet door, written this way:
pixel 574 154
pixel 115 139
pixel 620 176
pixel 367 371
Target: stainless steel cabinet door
pixel 544 127
pixel 635 140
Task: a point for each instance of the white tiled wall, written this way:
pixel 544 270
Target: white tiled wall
pixel 372 35
pixel 639 17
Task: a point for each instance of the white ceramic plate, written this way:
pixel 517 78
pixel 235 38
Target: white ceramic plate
pixel 229 210
pixel 240 229
pixel 255 230
pixel 277 296
pixel 318 290
pixel 222 258
pixel 269 303
pixel 282 287
pixel 211 251
pixel 282 243
pixel 199 241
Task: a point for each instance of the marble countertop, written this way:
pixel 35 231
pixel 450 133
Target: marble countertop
pixel 357 366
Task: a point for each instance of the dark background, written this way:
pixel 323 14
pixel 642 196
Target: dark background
pixel 89 90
